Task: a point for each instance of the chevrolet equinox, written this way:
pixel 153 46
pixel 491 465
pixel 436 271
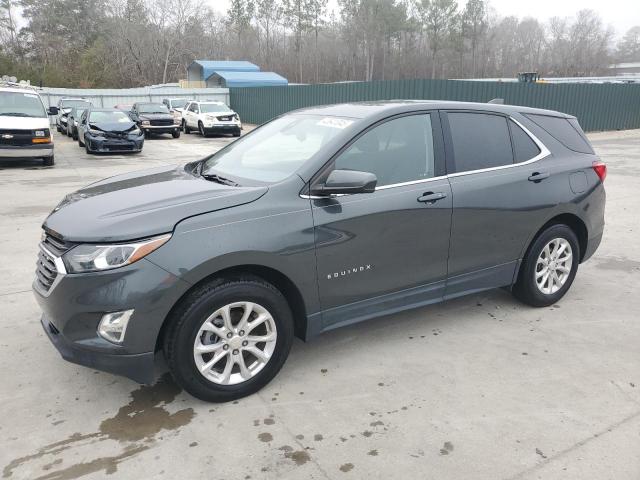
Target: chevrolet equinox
pixel 318 219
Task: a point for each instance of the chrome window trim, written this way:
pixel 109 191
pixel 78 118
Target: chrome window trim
pixel 544 152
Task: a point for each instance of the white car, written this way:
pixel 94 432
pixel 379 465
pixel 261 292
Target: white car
pixel 24 124
pixel 210 117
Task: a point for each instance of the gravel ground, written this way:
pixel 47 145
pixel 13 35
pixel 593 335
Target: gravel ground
pixel 480 387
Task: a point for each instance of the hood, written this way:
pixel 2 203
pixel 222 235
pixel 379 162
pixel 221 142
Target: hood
pixel 155 116
pixel 118 127
pixel 142 204
pixel 23 123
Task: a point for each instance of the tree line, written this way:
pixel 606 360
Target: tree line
pixel 126 43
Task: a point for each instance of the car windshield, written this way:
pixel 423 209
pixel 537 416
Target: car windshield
pixel 152 108
pixel 213 107
pixel 21 104
pixel 276 150
pixel 178 102
pixel 109 117
pixel 73 103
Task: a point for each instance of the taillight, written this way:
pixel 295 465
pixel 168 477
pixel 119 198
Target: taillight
pixel 601 169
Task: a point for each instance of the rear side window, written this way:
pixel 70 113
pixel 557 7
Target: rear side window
pixel 480 140
pixel 563 130
pixel 524 148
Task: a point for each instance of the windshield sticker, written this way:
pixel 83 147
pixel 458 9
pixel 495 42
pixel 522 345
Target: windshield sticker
pixel 334 122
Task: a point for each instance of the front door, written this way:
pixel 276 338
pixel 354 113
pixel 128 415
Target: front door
pixel 387 250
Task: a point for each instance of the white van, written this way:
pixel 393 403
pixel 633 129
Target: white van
pixel 24 124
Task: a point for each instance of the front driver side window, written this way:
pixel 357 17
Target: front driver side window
pixel 396 151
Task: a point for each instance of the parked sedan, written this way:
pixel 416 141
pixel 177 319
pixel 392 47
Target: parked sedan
pixel 109 130
pixel 210 117
pixel 73 117
pixel 155 118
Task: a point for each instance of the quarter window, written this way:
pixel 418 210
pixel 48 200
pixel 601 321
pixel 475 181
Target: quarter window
pixel 480 140
pixel 524 148
pixel 397 151
pixel 566 130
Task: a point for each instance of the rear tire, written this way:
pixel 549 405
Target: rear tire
pixel 48 161
pixel 187 334
pixel 80 142
pixel 549 267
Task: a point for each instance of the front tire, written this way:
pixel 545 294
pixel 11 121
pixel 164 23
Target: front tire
pixel 549 267
pixel 201 129
pixel 229 338
pixel 175 134
pixel 185 128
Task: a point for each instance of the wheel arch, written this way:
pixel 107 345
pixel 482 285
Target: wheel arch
pixel 571 220
pixel 282 282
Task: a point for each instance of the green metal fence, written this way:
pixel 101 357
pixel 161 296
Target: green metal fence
pixel 597 106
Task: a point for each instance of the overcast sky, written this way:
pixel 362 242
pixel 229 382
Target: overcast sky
pixel 621 14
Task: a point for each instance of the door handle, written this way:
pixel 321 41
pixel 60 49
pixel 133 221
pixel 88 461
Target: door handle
pixel 431 197
pixel 538 176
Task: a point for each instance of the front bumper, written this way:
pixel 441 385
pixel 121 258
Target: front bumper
pixel 74 305
pixel 161 128
pixel 138 367
pixel 227 127
pixel 27 151
pixel 114 145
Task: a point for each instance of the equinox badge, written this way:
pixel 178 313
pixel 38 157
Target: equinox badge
pixel 348 271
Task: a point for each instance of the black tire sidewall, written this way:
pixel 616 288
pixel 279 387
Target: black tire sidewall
pixel 526 288
pixel 180 345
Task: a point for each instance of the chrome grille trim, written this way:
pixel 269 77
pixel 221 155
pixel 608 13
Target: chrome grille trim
pixel 50 270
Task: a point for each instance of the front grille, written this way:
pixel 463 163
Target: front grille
pixel 16 138
pixel 46 271
pixel 56 245
pixel 119 147
pixel 162 123
pixel 226 118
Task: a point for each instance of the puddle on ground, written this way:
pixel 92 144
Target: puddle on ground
pixel 140 420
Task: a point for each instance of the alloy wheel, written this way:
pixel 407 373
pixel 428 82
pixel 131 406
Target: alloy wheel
pixel 553 266
pixel 235 343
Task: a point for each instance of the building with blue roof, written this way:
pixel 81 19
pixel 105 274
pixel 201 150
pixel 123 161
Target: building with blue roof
pixel 244 79
pixel 230 73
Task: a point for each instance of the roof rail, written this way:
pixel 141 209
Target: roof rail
pixel 6 83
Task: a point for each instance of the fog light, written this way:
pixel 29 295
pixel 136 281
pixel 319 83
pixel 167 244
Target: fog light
pixel 114 325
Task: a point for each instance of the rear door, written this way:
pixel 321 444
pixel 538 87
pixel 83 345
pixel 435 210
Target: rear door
pixel 385 250
pixel 498 197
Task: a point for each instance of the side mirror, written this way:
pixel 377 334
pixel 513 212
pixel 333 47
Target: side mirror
pixel 52 111
pixel 347 181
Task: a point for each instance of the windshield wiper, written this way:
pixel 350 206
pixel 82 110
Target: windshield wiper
pixel 218 179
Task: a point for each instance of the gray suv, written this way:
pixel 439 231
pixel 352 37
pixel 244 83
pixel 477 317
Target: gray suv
pixel 321 218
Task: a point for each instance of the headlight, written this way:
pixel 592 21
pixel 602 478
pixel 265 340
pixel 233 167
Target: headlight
pixel 92 258
pixel 209 117
pixel 136 131
pixel 96 133
pixel 145 122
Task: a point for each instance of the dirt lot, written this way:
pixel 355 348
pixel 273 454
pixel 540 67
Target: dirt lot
pixel 477 388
